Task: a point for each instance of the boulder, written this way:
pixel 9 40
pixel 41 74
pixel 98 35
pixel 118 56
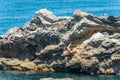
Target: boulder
pixel 96 40
pixel 82 43
pixel 47 15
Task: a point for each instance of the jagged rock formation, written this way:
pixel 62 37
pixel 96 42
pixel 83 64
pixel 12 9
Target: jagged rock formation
pixel 82 43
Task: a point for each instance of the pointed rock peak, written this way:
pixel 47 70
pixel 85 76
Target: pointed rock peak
pixel 78 12
pixel 47 15
pixel 103 16
pixel 41 11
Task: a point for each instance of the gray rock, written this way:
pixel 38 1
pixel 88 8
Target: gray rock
pixel 47 15
pixel 82 43
pixel 1 36
pixel 1 65
pixel 107 44
pixel 96 40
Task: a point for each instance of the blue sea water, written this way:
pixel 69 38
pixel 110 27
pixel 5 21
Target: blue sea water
pixel 17 12
pixel 14 75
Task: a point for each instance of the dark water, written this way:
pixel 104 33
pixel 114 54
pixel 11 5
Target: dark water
pixel 13 75
pixel 17 12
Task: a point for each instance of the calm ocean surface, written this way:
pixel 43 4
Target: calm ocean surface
pixel 17 12
pixel 13 75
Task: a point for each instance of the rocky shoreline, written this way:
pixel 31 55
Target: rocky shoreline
pixel 82 43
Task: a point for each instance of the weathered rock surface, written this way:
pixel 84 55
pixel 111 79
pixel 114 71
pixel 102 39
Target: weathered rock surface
pixel 82 43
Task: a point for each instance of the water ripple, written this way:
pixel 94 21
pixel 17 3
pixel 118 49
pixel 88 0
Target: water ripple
pixel 17 12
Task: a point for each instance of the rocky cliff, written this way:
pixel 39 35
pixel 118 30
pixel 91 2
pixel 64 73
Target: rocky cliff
pixel 81 43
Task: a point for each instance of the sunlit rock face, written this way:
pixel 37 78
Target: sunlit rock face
pixel 81 43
